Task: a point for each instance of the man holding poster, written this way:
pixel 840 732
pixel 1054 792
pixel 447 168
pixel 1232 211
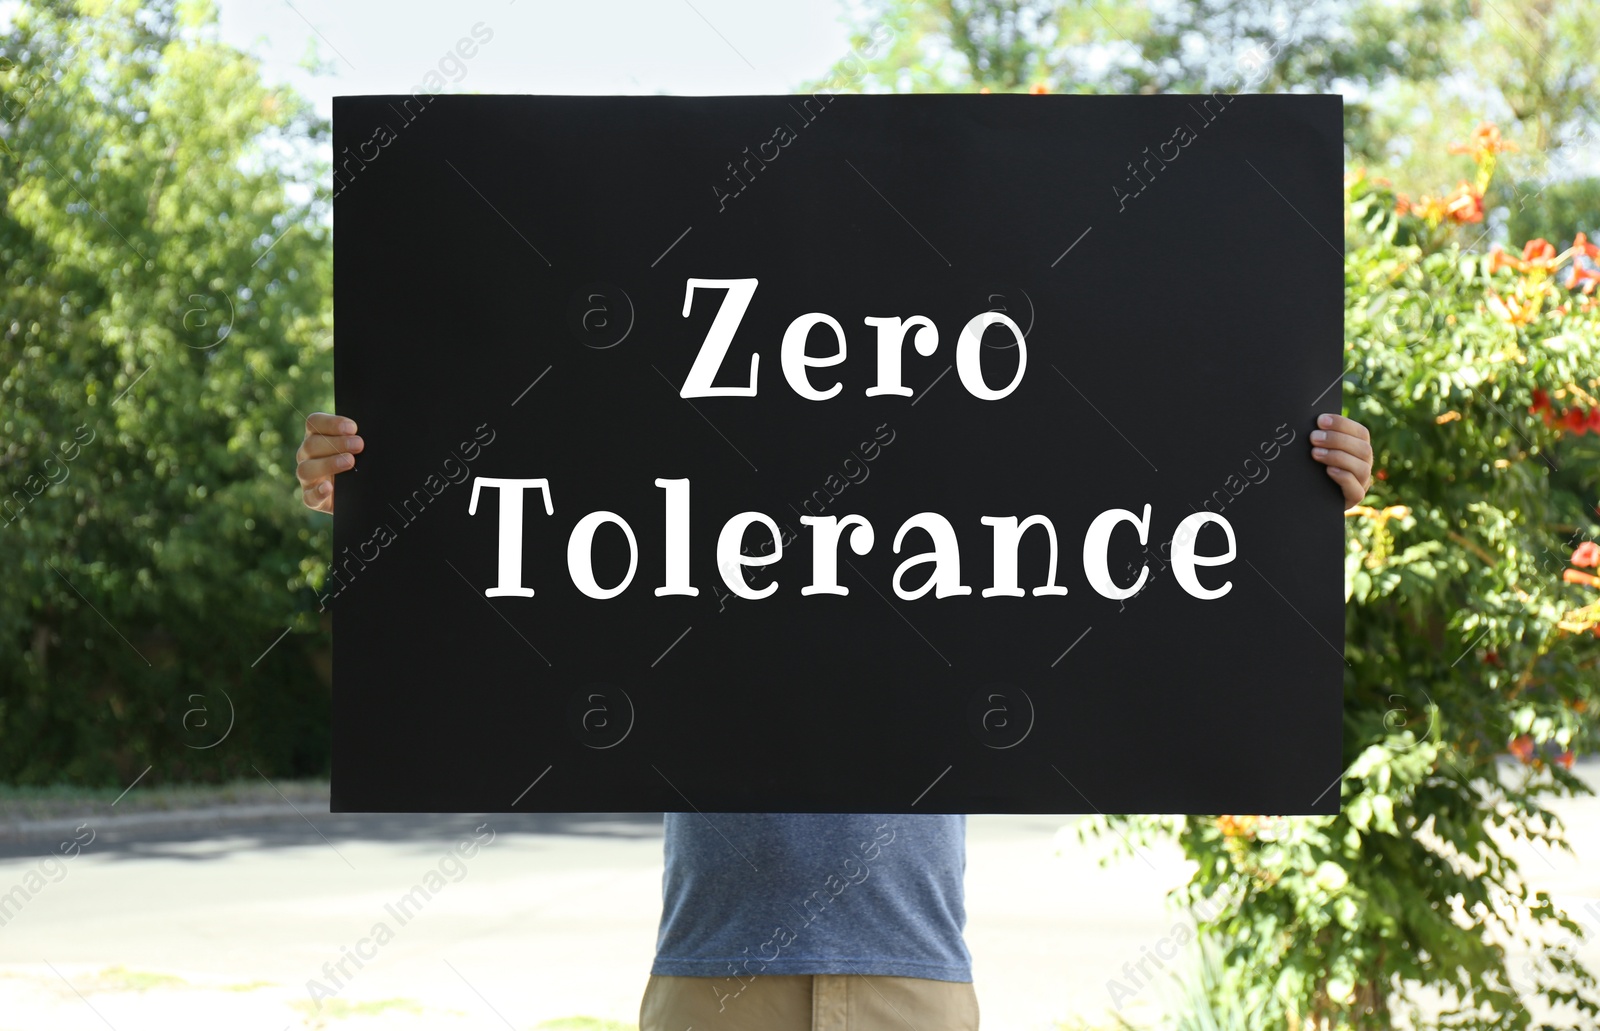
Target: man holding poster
pixel 887 955
pixel 741 632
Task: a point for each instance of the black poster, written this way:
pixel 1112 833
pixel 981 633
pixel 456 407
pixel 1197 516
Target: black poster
pixel 838 454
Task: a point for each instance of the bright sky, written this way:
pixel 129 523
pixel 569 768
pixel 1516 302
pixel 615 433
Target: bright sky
pixel 543 46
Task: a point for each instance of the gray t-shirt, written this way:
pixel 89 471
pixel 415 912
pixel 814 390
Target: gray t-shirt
pixel 813 893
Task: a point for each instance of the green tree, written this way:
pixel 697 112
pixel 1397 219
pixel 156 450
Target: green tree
pixel 1415 74
pixel 1548 209
pixel 1188 45
pixel 166 320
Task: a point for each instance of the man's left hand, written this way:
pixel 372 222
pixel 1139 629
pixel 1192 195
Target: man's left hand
pixel 1345 447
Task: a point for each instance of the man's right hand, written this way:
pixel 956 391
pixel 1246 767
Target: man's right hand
pixel 329 449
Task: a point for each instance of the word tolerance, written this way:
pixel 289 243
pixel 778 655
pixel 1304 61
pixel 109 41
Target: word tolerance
pixel 944 580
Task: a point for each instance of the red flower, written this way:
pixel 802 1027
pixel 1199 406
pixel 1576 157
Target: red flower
pixel 1573 576
pixel 1522 748
pixel 1565 760
pixel 1588 554
pixel 1582 278
pixel 1383 474
pixel 1465 204
pixel 1575 420
pixel 1538 250
pixel 1541 401
pixel 1484 142
pixel 1581 244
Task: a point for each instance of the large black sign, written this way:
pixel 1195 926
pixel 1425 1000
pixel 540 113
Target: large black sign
pixel 837 454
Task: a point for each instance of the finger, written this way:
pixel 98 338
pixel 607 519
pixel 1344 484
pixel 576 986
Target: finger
pixel 1345 476
pixel 1354 489
pixel 314 469
pixel 321 445
pixel 1343 460
pixel 323 422
pixel 1340 424
pixel 320 497
pixel 1335 441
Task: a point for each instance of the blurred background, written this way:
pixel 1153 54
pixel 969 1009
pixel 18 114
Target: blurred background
pixel 166 856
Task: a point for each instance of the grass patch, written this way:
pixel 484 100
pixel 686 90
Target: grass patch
pixel 70 800
pixel 340 1009
pixel 121 979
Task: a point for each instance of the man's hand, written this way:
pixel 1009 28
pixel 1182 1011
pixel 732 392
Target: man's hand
pixel 329 449
pixel 1343 445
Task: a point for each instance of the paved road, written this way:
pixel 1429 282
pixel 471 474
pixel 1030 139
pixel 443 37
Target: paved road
pixel 556 917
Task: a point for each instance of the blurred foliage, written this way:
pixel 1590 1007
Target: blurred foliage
pixel 1535 207
pixel 1182 46
pixel 1415 74
pixel 1472 629
pixel 166 317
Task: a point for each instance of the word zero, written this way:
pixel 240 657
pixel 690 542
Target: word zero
pixel 796 363
pixel 945 558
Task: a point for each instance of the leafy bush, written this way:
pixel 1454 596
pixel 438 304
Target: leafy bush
pixel 1471 630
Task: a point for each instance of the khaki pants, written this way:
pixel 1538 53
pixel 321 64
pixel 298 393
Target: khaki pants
pixel 809 1002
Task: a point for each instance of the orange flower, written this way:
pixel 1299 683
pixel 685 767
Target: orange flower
pixel 1588 554
pixel 1514 310
pixel 1522 748
pixel 1539 254
pixel 1574 576
pixel 1564 759
pixel 1499 259
pixel 1485 141
pixel 1580 278
pixel 1465 204
pixel 1429 208
pixel 1236 826
pixel 1577 274
pixel 1038 89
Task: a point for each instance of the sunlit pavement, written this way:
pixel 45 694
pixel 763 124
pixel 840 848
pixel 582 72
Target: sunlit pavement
pixel 556 917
